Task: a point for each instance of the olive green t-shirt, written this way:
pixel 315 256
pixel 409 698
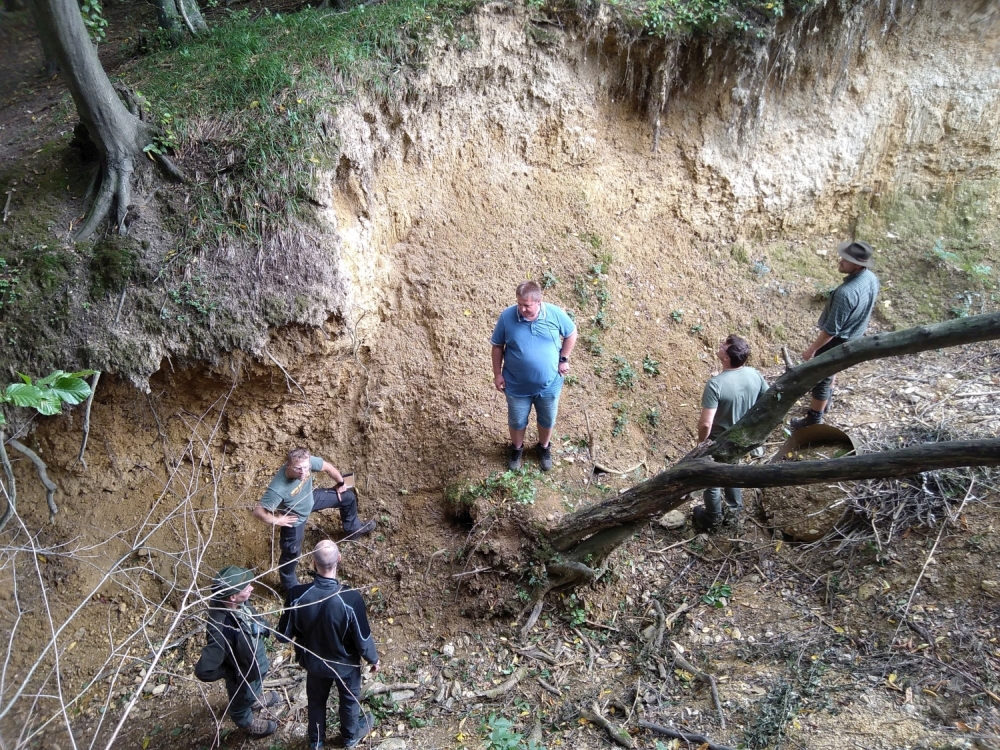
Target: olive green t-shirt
pixel 731 393
pixel 292 495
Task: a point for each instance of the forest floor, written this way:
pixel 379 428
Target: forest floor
pixel 881 635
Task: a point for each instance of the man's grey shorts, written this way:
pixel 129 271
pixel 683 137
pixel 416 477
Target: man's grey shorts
pixel 546 408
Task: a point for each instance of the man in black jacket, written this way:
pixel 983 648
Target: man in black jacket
pixel 329 625
pixel 235 650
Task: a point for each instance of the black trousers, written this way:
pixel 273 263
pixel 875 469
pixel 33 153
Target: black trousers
pixel 348 681
pixel 290 537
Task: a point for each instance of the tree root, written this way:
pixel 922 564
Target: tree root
pixel 694 739
pixel 504 687
pixel 169 168
pixel 617 735
pixel 378 688
pixel 86 419
pixel 10 491
pixel 114 194
pixel 50 486
pixel 704 677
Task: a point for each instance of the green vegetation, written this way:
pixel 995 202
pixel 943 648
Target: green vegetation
pixel 621 418
pixel 549 279
pixel 718 595
pixel 515 486
pixel 112 265
pixel 625 375
pixel 48 394
pixel 272 80
pixel 650 366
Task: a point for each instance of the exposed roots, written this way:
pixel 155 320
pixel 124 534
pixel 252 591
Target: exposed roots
pixel 114 194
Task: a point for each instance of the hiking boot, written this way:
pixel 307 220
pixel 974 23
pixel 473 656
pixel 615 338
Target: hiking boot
pixel 262 727
pixel 367 724
pixel 268 699
pixel 363 530
pixel 545 456
pixel 514 458
pixel 811 417
pixel 703 521
pixel 315 746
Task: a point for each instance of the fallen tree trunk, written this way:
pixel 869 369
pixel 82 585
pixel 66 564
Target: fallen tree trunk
pixel 670 488
pixel 591 534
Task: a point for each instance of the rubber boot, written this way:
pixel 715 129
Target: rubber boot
pixel 811 417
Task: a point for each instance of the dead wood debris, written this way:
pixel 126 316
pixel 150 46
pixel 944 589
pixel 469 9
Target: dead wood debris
pixel 695 739
pixel 617 734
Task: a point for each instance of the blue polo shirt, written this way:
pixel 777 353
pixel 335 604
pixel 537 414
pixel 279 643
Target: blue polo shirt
pixel 531 349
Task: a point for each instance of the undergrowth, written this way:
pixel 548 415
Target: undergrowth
pixel 247 101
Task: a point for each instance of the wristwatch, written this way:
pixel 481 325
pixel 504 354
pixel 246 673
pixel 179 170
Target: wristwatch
pixel 563 359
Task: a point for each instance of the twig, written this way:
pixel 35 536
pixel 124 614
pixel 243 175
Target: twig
pixel 617 735
pixel 549 688
pixel 704 677
pixel 611 470
pixel 592 652
pixel 288 378
pixel 430 562
pixel 6 205
pixel 690 737
pixel 121 304
pixel 471 572
pixel 50 486
pixel 591 445
pixel 10 491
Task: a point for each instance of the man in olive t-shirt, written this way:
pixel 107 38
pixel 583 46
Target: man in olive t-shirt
pixel 726 398
pixel 290 498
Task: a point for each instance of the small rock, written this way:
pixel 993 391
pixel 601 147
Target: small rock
pixel 401 695
pixel 868 590
pixel 672 520
pixel 648 633
pixel 615 656
pixel 160 689
pixel 456 690
pixel 990 587
pixel 737 635
pixel 393 743
pixel 550 517
pixel 448 650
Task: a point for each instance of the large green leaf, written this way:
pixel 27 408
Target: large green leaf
pixel 71 390
pixel 22 394
pixel 50 378
pixel 49 405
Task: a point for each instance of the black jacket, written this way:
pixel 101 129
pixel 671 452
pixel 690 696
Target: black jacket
pixel 232 651
pixel 329 625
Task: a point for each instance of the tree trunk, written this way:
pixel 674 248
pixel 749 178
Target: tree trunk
pixel 176 15
pixel 170 20
pixel 119 135
pixel 590 535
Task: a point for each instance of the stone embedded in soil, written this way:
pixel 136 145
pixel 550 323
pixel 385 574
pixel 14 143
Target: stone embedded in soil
pixel 672 520
pixel 401 695
pixel 393 743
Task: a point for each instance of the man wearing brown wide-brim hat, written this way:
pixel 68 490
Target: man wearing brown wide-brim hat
pixel 845 317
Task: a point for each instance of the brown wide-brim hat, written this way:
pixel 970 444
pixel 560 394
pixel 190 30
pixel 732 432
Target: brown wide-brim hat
pixel 857 252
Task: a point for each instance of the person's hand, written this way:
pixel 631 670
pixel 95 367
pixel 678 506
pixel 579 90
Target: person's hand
pixel 376 666
pixel 288 519
pixel 808 354
pixel 563 368
pixel 500 383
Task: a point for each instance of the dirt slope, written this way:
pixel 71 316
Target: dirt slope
pixel 517 160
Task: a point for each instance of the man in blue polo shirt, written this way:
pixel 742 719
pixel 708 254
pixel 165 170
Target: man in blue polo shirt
pixel 531 343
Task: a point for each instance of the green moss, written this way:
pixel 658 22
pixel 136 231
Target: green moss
pixel 112 265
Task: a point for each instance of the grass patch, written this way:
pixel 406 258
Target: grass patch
pixel 269 82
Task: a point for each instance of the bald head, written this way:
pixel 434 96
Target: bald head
pixel 326 557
